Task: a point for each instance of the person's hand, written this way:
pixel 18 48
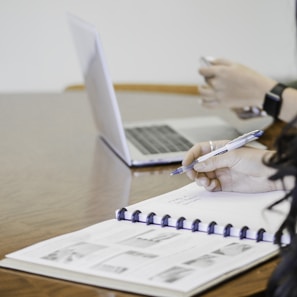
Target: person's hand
pixel 233 85
pixel 240 170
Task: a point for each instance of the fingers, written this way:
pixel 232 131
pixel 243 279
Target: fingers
pixel 191 174
pixel 210 71
pixel 200 149
pixel 221 61
pixel 213 73
pixel 218 162
pixel 210 165
pixel 209 181
pixel 191 155
pixel 207 72
pixel 211 185
pixel 208 96
pixel 197 151
pixel 207 92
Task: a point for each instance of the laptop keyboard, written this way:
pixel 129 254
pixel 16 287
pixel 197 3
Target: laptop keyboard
pixel 157 139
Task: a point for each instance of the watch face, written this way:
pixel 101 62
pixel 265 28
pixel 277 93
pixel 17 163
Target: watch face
pixel 273 96
pixel 272 104
pixel 273 100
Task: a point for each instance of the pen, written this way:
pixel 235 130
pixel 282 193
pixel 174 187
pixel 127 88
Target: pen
pixel 231 145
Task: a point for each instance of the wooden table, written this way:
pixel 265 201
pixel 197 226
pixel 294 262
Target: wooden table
pixel 57 176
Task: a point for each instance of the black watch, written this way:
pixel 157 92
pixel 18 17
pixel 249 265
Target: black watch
pixel 273 100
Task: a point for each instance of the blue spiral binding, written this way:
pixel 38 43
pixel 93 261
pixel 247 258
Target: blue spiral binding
pixel 121 214
pixel 195 225
pixel 135 216
pixel 211 226
pixel 260 234
pixel 180 223
pixel 227 230
pixel 164 221
pixel 150 218
pixel 243 232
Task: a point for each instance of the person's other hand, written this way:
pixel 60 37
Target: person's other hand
pixel 233 85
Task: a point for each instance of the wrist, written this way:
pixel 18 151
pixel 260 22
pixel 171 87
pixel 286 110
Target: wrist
pixel 265 86
pixel 260 86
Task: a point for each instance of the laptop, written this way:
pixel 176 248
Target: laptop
pixel 142 144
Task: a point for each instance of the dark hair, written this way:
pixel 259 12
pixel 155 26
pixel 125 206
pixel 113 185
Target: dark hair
pixel 283 281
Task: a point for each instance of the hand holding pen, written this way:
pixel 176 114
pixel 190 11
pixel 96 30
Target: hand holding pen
pixel 231 145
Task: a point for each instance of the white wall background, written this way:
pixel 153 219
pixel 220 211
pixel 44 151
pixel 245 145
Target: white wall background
pixel 145 41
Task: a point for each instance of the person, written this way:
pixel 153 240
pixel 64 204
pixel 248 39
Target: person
pixel 231 84
pixel 282 282
pixel 250 169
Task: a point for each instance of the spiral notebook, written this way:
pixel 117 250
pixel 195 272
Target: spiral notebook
pixel 176 244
